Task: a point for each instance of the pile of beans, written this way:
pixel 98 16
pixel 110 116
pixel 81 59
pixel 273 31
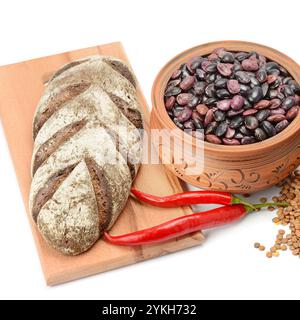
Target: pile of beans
pixel 232 98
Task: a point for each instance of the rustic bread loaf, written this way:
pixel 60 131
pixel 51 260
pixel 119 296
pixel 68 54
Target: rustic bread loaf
pixel 87 147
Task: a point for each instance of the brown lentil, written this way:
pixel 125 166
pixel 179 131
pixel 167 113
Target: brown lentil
pixel 262 248
pixel 263 200
pixel 269 255
pixel 256 245
pixel 288 216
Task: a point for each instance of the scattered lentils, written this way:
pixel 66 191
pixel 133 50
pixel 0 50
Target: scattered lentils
pixel 288 216
pixel 263 200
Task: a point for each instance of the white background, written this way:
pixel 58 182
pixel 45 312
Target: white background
pixel 226 266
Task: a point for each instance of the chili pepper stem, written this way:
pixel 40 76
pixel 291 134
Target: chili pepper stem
pixel 264 205
pixel 237 200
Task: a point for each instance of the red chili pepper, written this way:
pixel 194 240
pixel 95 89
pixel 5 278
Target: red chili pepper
pixel 189 198
pixel 185 225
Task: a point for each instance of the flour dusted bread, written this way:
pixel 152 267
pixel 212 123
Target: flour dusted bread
pixel 87 147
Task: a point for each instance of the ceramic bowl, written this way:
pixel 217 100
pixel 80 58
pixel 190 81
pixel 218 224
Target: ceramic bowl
pixel 238 169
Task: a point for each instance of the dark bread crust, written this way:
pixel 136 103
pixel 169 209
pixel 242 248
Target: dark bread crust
pixel 122 69
pixel 133 115
pixel 51 145
pixel 102 193
pixel 56 103
pixel 49 189
pixel 67 67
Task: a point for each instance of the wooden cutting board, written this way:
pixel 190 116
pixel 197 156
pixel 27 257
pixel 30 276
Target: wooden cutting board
pixel 22 85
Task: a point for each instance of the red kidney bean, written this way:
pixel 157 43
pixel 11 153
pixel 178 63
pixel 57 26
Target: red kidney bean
pixel 271 78
pixel 277 111
pixel 262 104
pixel 224 105
pixel 275 103
pixel 213 57
pixel 225 69
pixel 187 82
pixel 276 118
pixel 205 64
pixel 185 114
pixel 233 86
pixel 237 102
pixel 250 65
pixel 219 51
pixel 202 109
pixel 209 117
pixel 249 112
pixel 170 102
pixel 213 139
pixel 176 74
pixel 230 133
pixel 184 98
pixel 292 113
pixel 243 77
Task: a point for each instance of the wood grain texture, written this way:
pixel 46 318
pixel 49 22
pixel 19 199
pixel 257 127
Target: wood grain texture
pixel 22 85
pixel 239 169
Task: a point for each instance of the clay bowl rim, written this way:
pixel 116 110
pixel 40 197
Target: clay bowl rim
pixel 165 73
